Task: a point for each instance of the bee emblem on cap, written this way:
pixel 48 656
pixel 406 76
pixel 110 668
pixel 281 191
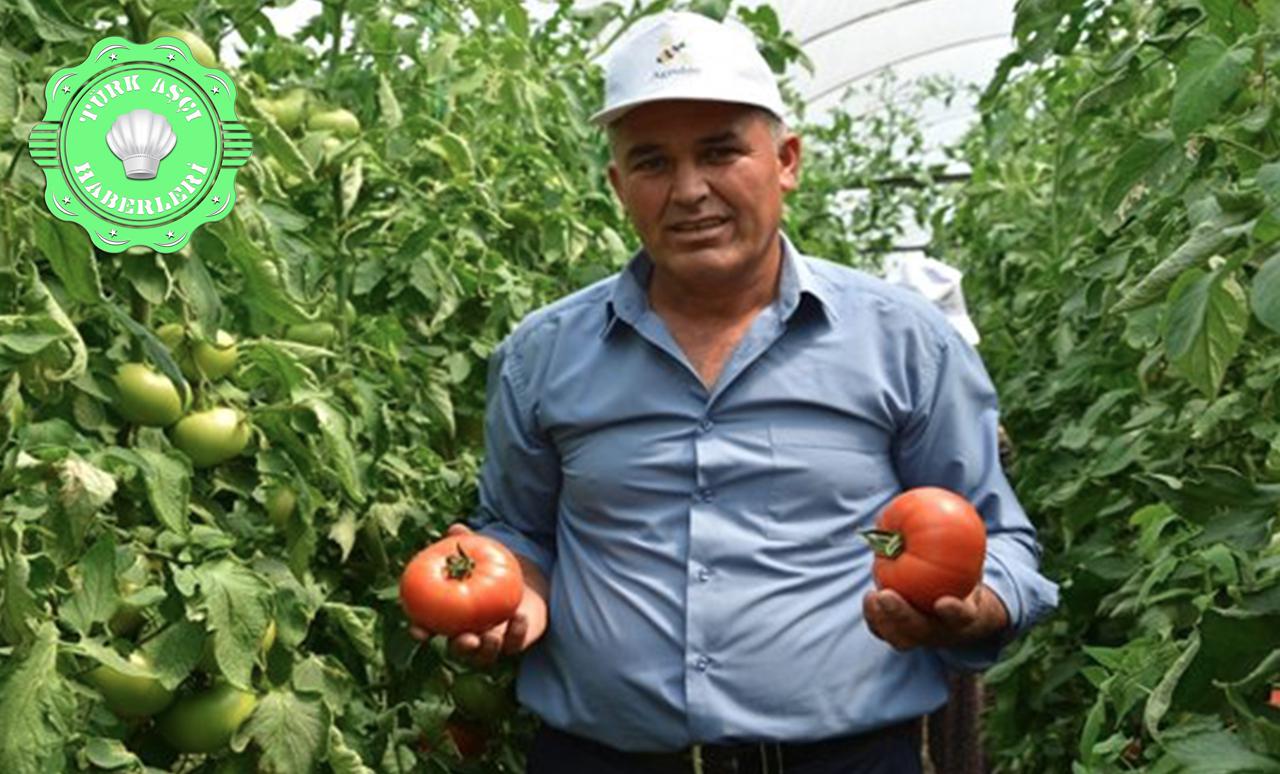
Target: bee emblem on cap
pixel 670 51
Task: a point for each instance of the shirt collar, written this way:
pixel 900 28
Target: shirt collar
pixel 629 298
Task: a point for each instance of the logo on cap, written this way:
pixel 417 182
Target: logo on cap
pixel 673 58
pixel 140 144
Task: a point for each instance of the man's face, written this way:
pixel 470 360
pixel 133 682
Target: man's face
pixel 702 183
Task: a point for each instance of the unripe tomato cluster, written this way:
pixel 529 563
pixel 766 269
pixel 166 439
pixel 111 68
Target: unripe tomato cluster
pixel 146 397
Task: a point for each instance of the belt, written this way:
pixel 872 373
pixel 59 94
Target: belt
pixel 752 757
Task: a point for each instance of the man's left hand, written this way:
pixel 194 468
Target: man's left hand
pixel 954 622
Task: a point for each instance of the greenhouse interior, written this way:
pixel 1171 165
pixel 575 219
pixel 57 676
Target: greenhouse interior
pixel 688 386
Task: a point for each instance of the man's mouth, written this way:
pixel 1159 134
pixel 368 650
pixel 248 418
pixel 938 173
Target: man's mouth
pixel 698 226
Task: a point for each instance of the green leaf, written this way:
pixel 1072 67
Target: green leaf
pixel 1219 752
pixel 175 652
pixel 238 602
pixel 84 488
pixel 96 596
pixel 392 115
pixel 1264 295
pixel 1206 325
pixel 360 624
pixel 1208 77
pixel 199 289
pixel 168 484
pixel 1161 698
pixel 333 431
pixel 8 91
pixel 1138 170
pixel 1207 238
pixel 19 610
pixel 109 754
pixel 227 241
pixel 291 731
pixel 352 179
pixel 148 275
pixel 69 252
pixel 281 147
pixel 342 759
pixel 453 149
pixel 440 400
pixel 37 708
pixel 49 27
pixel 1232 642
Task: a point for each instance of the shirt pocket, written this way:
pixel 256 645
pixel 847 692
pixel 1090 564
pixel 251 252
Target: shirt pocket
pixel 826 480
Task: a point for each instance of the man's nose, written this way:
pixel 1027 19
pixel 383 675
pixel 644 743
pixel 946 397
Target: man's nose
pixel 690 184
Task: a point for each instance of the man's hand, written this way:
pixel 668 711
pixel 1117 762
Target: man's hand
pixel 954 623
pixel 526 626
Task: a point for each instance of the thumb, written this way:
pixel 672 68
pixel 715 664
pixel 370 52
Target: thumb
pixel 458 528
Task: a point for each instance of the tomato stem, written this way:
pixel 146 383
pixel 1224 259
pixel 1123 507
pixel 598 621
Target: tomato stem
pixel 885 543
pixel 459 566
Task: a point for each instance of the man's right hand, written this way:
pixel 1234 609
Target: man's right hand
pixel 524 628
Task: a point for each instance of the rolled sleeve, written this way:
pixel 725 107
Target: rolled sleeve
pixel 951 441
pixel 519 480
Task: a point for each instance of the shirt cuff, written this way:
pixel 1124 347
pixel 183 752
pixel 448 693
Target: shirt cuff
pixel 518 543
pixel 1026 603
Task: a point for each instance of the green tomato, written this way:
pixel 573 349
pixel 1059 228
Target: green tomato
pixel 199 49
pixel 216 358
pixel 205 722
pixel 213 436
pixel 280 504
pixel 212 360
pixel 317 334
pixel 288 111
pixel 339 121
pixel 481 698
pixel 146 397
pixel 130 696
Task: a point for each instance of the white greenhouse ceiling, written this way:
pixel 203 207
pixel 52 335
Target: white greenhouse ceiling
pixel 850 42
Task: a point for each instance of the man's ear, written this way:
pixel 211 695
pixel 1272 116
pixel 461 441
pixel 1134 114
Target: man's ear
pixel 789 153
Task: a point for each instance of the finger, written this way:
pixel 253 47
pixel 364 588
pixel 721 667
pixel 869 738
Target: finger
pixel 464 645
pixel 903 624
pixel 418 633
pixel 957 615
pixel 517 630
pixel 458 528
pixel 490 646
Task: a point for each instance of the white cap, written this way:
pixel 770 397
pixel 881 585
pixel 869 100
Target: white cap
pixel 682 55
pixel 937 282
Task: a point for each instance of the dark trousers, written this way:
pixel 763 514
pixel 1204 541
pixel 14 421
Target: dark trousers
pixel 893 751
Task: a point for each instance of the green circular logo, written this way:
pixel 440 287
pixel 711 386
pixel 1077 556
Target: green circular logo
pixel 140 145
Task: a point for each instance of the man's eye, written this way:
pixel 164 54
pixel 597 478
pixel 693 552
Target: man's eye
pixel 648 164
pixel 721 154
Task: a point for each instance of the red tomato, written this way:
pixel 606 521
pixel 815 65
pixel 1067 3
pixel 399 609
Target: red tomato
pixel 463 583
pixel 1275 696
pixel 929 543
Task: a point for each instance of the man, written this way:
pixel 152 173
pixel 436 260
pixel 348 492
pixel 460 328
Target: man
pixel 683 455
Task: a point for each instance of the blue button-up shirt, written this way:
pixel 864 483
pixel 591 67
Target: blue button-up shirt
pixel 702 545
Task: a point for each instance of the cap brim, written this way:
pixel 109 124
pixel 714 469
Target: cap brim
pixel 614 112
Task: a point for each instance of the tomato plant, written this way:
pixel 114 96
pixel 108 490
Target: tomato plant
pixel 929 543
pixel 463 583
pixel 365 278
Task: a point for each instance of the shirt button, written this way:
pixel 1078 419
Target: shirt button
pixel 705 495
pixel 704 575
pixel 703 663
pixel 705 425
